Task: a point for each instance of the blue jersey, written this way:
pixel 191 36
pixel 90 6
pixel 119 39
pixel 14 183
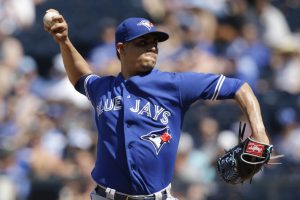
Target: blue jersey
pixel 139 123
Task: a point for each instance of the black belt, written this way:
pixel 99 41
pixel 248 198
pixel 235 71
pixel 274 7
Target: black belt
pixel 118 196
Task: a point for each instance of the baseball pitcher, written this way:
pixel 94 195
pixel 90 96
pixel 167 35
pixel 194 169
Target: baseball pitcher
pixel 139 113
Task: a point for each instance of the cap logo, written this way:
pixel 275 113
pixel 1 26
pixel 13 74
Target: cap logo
pixel 145 23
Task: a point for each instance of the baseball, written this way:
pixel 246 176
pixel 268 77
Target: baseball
pixel 48 22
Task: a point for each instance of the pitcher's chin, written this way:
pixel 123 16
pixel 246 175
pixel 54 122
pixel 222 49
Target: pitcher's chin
pixel 147 68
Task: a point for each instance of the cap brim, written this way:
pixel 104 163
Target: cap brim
pixel 161 36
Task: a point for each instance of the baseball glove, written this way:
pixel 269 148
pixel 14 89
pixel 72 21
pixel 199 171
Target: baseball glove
pixel 244 160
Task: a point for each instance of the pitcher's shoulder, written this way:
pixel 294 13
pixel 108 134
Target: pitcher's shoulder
pixel 163 74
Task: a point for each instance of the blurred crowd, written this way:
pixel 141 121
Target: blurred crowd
pixel 47 132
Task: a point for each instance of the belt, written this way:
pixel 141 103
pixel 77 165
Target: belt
pixel 101 191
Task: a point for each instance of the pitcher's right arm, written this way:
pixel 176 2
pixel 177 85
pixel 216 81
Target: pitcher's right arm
pixel 74 63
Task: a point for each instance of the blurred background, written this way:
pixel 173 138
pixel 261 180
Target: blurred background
pixel 47 132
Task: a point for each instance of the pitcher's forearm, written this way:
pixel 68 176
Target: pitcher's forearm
pixel 75 64
pixel 250 106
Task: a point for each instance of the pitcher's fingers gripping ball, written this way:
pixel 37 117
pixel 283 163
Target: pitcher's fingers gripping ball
pixel 55 24
pixel 48 19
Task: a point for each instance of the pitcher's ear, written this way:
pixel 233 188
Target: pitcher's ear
pixel 119 47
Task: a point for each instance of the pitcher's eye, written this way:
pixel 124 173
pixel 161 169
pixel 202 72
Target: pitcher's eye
pixel 145 42
pixel 141 43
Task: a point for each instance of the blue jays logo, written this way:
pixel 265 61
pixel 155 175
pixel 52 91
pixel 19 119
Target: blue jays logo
pixel 145 23
pixel 158 138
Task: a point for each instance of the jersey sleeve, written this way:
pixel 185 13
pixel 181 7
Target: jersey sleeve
pixel 194 86
pixel 86 84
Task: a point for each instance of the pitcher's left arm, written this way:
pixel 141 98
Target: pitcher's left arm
pixel 250 106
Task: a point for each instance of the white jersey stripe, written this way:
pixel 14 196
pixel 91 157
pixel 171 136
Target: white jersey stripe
pixel 220 86
pixel 85 85
pixel 217 86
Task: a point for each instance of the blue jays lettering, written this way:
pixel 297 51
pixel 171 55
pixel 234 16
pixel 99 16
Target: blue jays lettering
pixel 155 112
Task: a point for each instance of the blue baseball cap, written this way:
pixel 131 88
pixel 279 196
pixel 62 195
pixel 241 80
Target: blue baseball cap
pixel 133 28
